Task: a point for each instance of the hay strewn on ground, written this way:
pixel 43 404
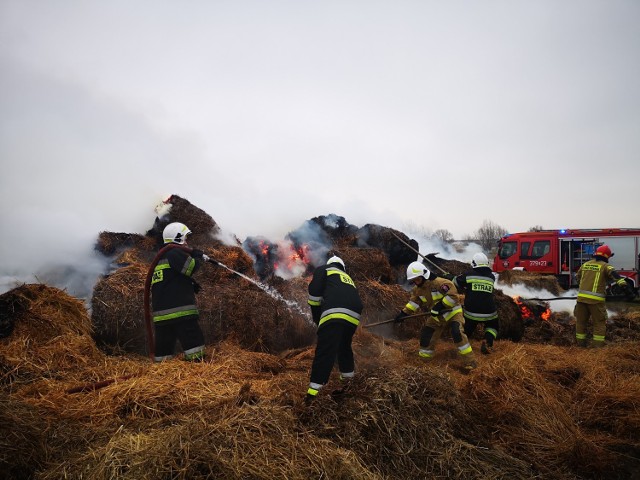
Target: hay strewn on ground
pixel 529 411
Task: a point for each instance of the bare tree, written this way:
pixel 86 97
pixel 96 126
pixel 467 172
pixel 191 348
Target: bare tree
pixel 536 228
pixel 488 234
pixel 444 235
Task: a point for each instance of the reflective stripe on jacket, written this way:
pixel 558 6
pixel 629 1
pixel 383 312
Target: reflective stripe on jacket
pixel 593 277
pixel 172 294
pixel 479 299
pixel 439 295
pixel 333 296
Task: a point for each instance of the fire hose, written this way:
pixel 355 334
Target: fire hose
pixel 425 258
pixel 393 319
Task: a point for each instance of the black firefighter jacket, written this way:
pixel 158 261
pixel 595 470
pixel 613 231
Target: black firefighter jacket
pixel 333 296
pixel 172 291
pixel 477 285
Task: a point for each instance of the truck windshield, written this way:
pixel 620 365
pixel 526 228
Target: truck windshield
pixel 507 249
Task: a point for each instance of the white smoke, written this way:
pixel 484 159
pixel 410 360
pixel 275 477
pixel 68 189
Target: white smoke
pixel 427 243
pixel 519 290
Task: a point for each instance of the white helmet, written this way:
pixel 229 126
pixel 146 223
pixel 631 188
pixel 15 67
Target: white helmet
pixel 175 232
pixel 417 269
pixel 480 260
pixel 335 259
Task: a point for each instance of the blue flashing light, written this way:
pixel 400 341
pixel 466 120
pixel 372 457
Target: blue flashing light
pixel 563 231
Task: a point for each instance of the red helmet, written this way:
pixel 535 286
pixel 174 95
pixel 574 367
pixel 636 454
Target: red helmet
pixel 604 251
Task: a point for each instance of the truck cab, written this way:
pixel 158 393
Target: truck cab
pixel 533 252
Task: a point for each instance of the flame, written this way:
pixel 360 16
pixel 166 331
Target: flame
pixel 524 310
pixel 527 312
pixel 264 248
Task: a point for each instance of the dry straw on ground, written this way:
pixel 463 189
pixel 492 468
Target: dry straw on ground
pixel 529 411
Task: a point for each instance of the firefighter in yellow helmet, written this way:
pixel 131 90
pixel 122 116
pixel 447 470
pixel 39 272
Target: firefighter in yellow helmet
pixel 441 298
pixel 593 278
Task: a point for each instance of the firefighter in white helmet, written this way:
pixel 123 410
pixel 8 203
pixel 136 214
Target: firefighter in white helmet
pixel 479 307
pixel 173 297
pixel 441 298
pixel 335 308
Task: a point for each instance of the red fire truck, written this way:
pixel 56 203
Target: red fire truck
pixel 561 252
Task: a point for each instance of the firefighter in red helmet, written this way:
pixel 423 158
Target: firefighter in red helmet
pixel 593 278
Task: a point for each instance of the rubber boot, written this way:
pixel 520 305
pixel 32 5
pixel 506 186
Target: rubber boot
pixel 582 342
pixel 485 349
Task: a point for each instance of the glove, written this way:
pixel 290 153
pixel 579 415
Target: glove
pixel 400 317
pixel 196 286
pixel 205 257
pixel 434 316
pixel 195 253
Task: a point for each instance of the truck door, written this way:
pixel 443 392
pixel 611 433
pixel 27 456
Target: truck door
pixel 507 255
pixel 540 257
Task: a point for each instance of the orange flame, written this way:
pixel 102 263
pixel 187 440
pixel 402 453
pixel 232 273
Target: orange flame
pixel 524 310
pixel 527 312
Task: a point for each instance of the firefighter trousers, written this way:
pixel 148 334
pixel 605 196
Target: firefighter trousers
pixel 334 341
pixel 597 312
pixel 490 329
pixel 432 330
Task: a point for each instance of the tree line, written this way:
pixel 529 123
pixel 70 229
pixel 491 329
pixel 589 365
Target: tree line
pixel 487 235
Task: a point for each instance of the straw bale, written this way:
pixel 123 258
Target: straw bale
pixel 383 238
pixel 230 306
pixel 454 267
pixel 509 317
pixel 532 280
pixel 109 243
pixel 42 312
pixel 117 312
pixel 340 232
pixel 367 264
pixel 201 224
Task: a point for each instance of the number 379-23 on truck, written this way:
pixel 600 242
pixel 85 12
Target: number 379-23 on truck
pixel 562 252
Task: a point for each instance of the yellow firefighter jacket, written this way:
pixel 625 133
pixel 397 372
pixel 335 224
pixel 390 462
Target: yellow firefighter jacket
pixel 593 278
pixel 439 295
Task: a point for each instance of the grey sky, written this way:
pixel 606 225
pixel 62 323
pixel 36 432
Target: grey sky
pixel 266 113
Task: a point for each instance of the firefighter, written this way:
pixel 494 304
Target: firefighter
pixel 335 307
pixel 441 297
pixel 593 277
pixel 479 307
pixel 173 290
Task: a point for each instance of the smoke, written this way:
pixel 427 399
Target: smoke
pixel 57 251
pixel 519 290
pixel 459 251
